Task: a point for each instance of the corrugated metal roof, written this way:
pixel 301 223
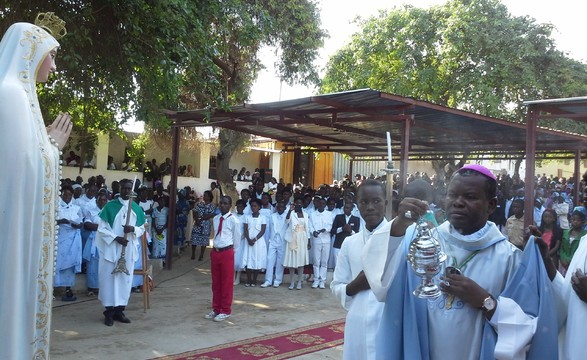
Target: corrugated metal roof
pixel 355 123
pixel 571 108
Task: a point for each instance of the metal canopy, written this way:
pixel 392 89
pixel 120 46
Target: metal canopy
pixel 356 122
pixel 570 108
pixel 566 108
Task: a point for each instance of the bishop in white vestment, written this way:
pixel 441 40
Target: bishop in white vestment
pixel 501 307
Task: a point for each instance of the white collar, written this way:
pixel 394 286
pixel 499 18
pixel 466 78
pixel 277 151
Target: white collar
pixel 63 204
pixel 481 239
pixel 367 234
pixel 381 224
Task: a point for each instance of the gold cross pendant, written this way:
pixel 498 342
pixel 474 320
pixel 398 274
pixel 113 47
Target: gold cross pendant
pixel 449 300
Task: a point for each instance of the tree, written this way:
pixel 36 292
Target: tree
pixel 468 54
pixel 444 168
pixel 132 58
pixel 293 28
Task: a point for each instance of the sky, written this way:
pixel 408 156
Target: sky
pixel 337 18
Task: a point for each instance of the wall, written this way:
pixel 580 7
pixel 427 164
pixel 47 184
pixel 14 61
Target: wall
pixel 117 148
pixel 560 168
pixel 287 166
pixel 341 167
pixel 198 155
pixel 323 169
pixel 249 159
pixel 188 154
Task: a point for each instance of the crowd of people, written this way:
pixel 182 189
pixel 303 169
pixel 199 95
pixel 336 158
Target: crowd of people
pixel 284 229
pixel 273 235
pixel 277 233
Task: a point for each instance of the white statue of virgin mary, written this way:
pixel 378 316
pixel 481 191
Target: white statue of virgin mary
pixel 28 200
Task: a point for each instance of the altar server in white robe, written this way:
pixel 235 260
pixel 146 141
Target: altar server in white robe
pixel 115 288
pixel 276 250
pixel 349 283
pixel 28 200
pixel 69 249
pixel 492 310
pixel 320 224
pixel 90 209
pixel 90 252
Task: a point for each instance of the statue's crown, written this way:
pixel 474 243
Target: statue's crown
pixel 53 24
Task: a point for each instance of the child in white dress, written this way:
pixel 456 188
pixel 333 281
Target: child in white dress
pixel 297 239
pixel 255 253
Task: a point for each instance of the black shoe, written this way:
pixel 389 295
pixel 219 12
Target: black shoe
pixel 108 320
pixel 68 296
pixel 119 316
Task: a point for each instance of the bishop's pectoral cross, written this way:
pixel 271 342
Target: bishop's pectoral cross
pixel 450 298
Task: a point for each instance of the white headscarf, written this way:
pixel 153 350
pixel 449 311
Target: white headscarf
pixel 22 50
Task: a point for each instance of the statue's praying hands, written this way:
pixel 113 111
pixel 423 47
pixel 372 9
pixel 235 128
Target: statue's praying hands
pixel 60 129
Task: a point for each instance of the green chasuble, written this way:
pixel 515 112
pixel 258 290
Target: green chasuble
pixel 112 208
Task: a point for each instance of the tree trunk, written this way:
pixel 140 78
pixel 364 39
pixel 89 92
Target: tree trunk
pixel 444 168
pixel 517 166
pixel 438 166
pixel 230 142
pixel 452 166
pixel 224 177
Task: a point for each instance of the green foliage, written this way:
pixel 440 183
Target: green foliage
pixel 468 54
pixel 136 152
pixel 132 58
pixel 136 57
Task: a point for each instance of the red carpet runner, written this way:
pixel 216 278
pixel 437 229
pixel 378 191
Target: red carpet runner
pixel 284 345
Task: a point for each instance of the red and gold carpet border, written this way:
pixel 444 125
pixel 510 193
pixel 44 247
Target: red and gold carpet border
pixel 278 346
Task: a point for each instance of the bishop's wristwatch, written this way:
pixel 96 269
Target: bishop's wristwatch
pixel 489 304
